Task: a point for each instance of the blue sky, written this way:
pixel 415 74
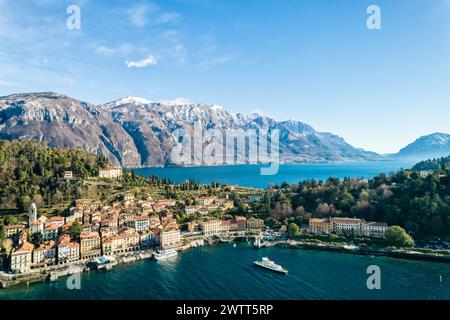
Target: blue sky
pixel 308 60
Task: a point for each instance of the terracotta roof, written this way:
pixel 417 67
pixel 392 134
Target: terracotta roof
pixel 73 245
pixel 124 236
pixel 347 220
pixel 15 226
pixel 25 247
pixel 141 218
pixel 40 248
pixel 51 227
pixel 64 239
pixel 89 234
pixel 55 219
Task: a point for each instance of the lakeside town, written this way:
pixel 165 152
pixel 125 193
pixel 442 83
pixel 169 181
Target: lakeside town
pixel 68 211
pixel 94 234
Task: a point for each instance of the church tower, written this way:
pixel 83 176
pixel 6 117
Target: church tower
pixel 32 213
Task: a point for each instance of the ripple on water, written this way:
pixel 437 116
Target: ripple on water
pixel 225 272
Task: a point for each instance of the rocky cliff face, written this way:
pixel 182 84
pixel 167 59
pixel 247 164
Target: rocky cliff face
pixel 65 122
pixel 138 132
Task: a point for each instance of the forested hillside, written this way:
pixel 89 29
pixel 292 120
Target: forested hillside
pixel 31 171
pixel 419 204
pixel 435 164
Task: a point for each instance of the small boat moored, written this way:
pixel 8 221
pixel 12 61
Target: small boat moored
pixel 165 254
pixel 266 263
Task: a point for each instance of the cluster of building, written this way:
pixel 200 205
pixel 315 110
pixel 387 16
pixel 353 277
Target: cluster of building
pixel 215 227
pixel 205 205
pixel 108 173
pixel 123 226
pixel 347 226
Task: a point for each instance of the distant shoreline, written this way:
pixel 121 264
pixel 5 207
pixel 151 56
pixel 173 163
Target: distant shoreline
pixel 264 164
pixel 400 253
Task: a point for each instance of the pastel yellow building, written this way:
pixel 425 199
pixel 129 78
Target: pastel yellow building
pixel 320 226
pixel 90 245
pixel 211 227
pixel 170 238
pixel 255 224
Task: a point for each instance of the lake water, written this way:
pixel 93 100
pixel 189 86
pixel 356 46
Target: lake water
pixel 249 175
pixel 227 272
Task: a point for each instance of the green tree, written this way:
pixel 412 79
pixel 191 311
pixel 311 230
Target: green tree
pixel 7 245
pixel 397 236
pixel 294 230
pixel 10 220
pixel 75 230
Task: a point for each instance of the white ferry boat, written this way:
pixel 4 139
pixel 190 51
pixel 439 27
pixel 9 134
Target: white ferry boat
pixel 268 264
pixel 165 254
pixel 351 247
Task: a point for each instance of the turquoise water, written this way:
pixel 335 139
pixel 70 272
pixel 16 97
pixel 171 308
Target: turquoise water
pixel 249 175
pixel 227 272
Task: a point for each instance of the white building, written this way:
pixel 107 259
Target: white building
pixel 346 225
pixel 192 209
pixel 206 201
pixel 21 258
pixel 170 238
pixel 374 229
pixel 211 227
pixel 113 173
pixel 141 223
pixel 36 227
pixel 255 198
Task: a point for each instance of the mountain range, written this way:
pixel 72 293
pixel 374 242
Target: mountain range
pixel 137 132
pixel 432 146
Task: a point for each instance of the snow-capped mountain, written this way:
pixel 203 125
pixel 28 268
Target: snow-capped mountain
pixel 138 132
pixel 65 122
pixel 127 100
pixel 435 145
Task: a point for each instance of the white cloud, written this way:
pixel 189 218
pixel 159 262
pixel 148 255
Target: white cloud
pixel 150 60
pixel 167 17
pixel 139 15
pixel 3 83
pixel 122 49
pixel 143 15
pixel 105 50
